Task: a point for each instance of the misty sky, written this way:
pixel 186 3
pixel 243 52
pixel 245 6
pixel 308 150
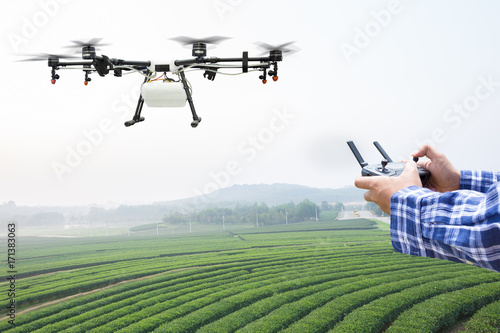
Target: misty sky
pixel 400 72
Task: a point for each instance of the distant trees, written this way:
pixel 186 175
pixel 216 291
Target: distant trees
pixel 249 214
pixel 47 219
pixel 372 207
pixel 336 207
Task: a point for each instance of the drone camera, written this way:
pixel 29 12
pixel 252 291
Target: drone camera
pixel 164 94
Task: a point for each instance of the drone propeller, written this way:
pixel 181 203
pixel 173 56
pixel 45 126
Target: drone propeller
pixel 46 56
pixel 184 40
pixel 87 48
pixel 94 42
pixel 52 59
pixel 199 44
pixel 283 47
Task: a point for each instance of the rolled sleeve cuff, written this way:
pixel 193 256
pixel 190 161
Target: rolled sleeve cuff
pixel 478 181
pixel 406 230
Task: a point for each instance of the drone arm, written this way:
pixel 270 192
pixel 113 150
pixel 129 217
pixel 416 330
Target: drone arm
pixel 273 57
pixel 102 63
pixel 74 63
pixel 120 62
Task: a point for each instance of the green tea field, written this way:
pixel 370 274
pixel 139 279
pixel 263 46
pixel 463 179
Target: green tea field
pixel 340 276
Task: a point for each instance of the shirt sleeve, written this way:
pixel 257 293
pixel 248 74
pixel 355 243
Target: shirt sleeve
pixel 461 226
pixel 478 180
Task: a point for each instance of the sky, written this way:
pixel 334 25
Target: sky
pixel 400 72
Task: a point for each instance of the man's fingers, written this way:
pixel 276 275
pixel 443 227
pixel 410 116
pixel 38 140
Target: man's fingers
pixel 364 182
pixel 411 172
pixel 424 164
pixel 429 151
pixel 368 196
pixel 410 166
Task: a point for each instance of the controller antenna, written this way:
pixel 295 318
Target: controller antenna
pixel 356 153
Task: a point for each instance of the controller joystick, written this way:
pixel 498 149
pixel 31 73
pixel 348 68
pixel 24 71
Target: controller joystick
pixel 387 166
pixel 384 164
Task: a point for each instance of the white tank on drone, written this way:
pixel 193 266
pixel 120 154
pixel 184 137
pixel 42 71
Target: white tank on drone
pixel 164 94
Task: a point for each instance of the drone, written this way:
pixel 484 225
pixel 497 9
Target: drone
pixel 158 89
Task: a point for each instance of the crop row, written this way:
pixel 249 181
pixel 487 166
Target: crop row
pixel 361 224
pixel 238 298
pixel 199 316
pixel 377 314
pixel 149 226
pixel 44 257
pixel 262 263
pixel 79 253
pixel 443 310
pixel 255 267
pixel 486 320
pixel 92 258
pixel 134 303
pixel 321 312
pixel 100 299
pixel 279 310
pixel 159 296
pixel 49 287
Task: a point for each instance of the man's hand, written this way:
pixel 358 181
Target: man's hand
pixel 444 176
pixel 380 188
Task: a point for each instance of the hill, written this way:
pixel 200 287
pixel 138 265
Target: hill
pixel 272 194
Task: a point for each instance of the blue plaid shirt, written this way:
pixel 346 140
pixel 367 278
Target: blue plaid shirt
pixel 461 226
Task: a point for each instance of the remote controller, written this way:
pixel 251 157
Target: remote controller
pixel 387 167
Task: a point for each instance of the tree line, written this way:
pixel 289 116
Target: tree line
pixel 260 214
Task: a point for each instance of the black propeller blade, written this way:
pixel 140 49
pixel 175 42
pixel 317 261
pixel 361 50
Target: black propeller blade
pixel 94 42
pixel 45 56
pixel 283 47
pixel 184 40
pixel 87 48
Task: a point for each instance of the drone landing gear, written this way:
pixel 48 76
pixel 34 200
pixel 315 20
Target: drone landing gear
pixel 137 116
pixel 196 120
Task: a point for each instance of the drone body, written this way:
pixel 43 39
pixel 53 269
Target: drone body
pixel 158 89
